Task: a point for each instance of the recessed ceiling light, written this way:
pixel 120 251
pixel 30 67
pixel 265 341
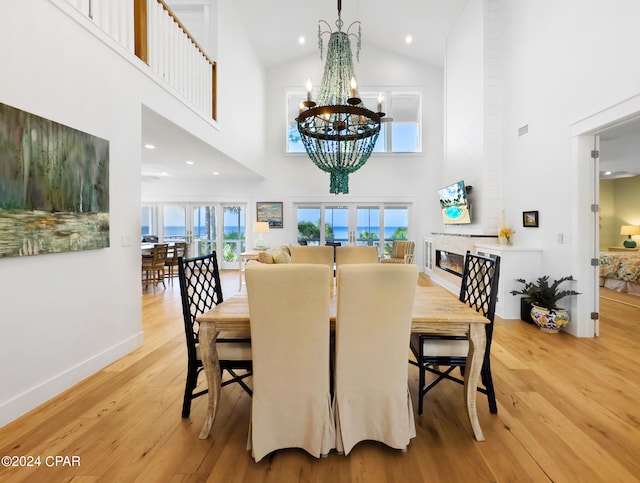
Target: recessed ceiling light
pixel 216 173
pixel 190 163
pixel 607 173
pixel 408 39
pixel 149 146
pixel 164 173
pixel 301 40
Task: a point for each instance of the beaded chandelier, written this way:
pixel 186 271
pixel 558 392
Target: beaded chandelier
pixel 337 131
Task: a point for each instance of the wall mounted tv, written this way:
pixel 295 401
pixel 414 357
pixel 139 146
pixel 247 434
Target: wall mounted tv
pixel 455 204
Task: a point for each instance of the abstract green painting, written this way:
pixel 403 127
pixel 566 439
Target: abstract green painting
pixel 54 186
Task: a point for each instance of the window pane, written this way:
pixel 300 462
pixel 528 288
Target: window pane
pixel 234 230
pixel 204 229
pixel 309 225
pixel 336 224
pixel 405 137
pixel 396 223
pixel 175 223
pixel 294 143
pixel 149 221
pixel 405 128
pixel 368 226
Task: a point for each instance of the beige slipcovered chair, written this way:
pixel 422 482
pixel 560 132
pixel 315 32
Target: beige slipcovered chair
pixel 363 254
pixel 402 252
pixel 291 406
pixel 373 324
pixel 316 255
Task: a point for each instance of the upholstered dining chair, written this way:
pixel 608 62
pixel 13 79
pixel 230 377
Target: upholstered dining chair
pixel 179 250
pixel 373 323
pixel 200 290
pixel 153 266
pixel 314 254
pixel 440 355
pixel 402 252
pixel 291 406
pixel 356 254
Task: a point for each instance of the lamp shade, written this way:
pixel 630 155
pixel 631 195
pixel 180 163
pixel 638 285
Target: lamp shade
pixel 261 227
pixel 630 230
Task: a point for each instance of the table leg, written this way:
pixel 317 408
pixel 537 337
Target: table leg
pixel 239 273
pixel 477 344
pixel 211 364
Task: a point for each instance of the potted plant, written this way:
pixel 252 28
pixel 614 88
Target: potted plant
pixel 543 298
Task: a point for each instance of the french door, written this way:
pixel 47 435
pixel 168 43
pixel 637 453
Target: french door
pixel 371 224
pixel 205 227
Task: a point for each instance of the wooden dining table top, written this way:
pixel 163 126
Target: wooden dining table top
pixel 434 309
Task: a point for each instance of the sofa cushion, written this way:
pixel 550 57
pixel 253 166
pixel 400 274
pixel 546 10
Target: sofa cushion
pixel 280 255
pixel 265 257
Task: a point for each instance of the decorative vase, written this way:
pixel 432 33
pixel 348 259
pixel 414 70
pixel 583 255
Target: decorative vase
pixel 549 321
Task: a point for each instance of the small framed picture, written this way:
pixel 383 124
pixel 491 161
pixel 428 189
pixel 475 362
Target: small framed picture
pixel 271 212
pixel 530 219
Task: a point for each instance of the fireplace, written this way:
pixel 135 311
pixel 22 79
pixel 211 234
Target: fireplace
pixel 450 262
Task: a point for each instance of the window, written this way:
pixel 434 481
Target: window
pixel 353 224
pixel 401 135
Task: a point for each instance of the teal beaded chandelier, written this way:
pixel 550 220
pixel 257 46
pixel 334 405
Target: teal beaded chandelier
pixel 337 131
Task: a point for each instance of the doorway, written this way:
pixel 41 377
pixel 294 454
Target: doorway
pixel 587 135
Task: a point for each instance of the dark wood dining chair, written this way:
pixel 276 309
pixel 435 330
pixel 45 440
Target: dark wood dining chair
pixel 440 355
pixel 200 290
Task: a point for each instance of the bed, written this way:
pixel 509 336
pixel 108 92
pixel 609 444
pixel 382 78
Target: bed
pixel 620 271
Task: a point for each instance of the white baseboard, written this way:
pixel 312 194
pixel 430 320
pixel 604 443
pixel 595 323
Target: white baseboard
pixel 32 398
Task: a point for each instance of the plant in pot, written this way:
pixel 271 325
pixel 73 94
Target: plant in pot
pixel 543 298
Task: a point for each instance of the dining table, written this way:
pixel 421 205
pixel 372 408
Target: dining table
pixel 435 311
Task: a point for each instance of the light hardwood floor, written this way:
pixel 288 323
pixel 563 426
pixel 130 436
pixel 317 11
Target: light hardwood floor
pixel 567 411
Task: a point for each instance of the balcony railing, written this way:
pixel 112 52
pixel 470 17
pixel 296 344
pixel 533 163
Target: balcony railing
pixel 154 33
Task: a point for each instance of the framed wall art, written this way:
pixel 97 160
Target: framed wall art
pixel 530 219
pixel 54 186
pixel 271 212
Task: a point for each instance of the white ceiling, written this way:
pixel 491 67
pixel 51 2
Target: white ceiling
pixel 275 25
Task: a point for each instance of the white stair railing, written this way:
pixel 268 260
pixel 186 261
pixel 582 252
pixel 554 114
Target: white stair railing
pixel 154 33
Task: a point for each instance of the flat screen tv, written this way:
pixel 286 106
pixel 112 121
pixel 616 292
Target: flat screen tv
pixel 454 204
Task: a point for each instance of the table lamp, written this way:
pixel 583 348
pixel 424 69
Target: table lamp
pixel 261 227
pixel 629 230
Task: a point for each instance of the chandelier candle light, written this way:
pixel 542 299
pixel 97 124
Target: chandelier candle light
pixel 337 131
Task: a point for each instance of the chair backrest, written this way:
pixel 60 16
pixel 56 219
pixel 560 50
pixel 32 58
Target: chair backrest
pixel 179 251
pixel 314 254
pixel 479 287
pixel 200 290
pixel 364 254
pixel 289 309
pixel 373 325
pixel 160 253
pixel 402 248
